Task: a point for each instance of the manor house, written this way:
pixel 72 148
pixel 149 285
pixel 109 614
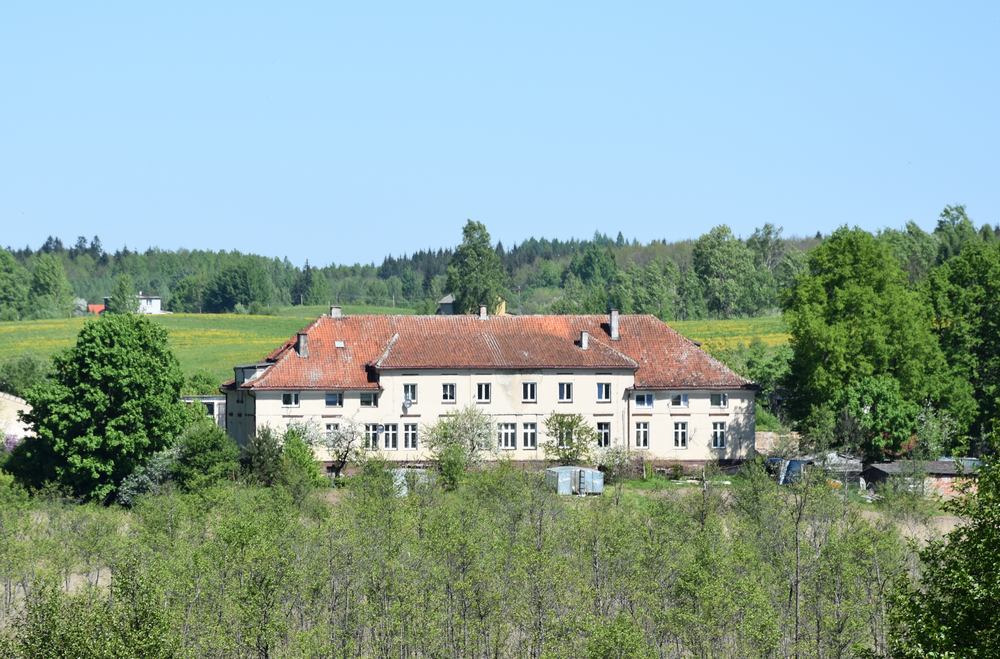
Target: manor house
pixel 639 382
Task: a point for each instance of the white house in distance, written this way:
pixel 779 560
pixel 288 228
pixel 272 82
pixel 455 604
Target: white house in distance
pixel 637 380
pixel 148 304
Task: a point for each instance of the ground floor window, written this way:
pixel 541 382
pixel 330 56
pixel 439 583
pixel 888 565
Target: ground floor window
pixel 642 434
pixel 371 436
pixel 530 436
pixel 565 439
pixel 390 437
pixel 507 435
pixel 604 435
pixel 718 434
pixel 332 428
pixel 681 434
pixel 410 436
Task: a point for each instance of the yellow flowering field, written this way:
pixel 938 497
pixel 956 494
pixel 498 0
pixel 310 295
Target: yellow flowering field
pixel 727 334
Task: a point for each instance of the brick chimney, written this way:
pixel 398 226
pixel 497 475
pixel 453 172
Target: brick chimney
pixel 614 325
pixel 302 346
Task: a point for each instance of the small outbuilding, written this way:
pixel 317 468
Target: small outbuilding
pixel 939 476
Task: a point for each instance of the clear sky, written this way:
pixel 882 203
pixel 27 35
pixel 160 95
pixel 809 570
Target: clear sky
pixel 342 132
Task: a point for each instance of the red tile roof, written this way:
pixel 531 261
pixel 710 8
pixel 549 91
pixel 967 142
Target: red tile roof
pixel 660 357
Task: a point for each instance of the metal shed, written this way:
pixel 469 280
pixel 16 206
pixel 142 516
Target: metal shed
pixel 574 480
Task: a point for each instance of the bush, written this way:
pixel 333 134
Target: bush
pixel 21 372
pixel 261 457
pixel 207 455
pixel 621 638
pixel 453 463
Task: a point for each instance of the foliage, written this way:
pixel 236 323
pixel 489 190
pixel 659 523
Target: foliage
pixel 300 472
pixel 571 440
pixel 475 274
pixel 952 611
pixel 200 383
pixel 470 428
pixel 111 404
pixel 149 478
pixel 852 317
pixel 242 282
pixel 886 419
pixel 23 371
pixel 343 444
pixel 261 457
pixel 123 296
pixel 620 638
pixel 207 455
pixel 616 462
pixel 188 295
pixel 453 462
pixel 14 282
pixel 49 284
pixel 733 283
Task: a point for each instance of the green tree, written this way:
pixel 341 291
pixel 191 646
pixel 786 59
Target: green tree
pixel 732 283
pixel 571 440
pixel 207 455
pixel 470 428
pixel 243 282
pixel 954 232
pixel 261 457
pixel 691 303
pixel 112 403
pixel 187 295
pixel 14 284
pixel 49 283
pixel 852 317
pixel 18 373
pixel 123 296
pixel 475 274
pixel 768 246
pixel 621 638
pixel 886 420
pixel 952 611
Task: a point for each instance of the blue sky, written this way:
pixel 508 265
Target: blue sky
pixel 345 132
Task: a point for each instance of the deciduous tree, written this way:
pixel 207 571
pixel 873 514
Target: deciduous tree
pixel 475 274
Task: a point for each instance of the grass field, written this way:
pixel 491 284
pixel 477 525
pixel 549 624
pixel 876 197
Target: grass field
pixel 216 343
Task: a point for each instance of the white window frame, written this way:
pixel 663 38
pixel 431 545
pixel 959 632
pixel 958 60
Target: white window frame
pixel 372 399
pixel 647 401
pixel 332 428
pixel 293 399
pixel 448 392
pixel 529 392
pixel 680 435
pixel 642 434
pixel 390 437
pixel 682 400
pixel 603 392
pixel 565 438
pixel 371 436
pixel 719 434
pixel 410 392
pixel 339 400
pixel 483 388
pixel 530 435
pixel 507 436
pixel 604 434
pixel 565 392
pixel 410 436
pixel 723 400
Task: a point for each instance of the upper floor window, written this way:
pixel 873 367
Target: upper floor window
pixel 410 392
pixel 507 436
pixel 447 393
pixel 334 399
pixel 603 392
pixel 565 392
pixel 529 392
pixel 679 400
pixel 604 434
pixel 719 434
pixel 719 400
pixel 644 401
pixel 369 400
pixel 289 400
pixel 483 392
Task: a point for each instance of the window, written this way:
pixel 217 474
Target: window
pixel 642 434
pixel 332 428
pixel 681 435
pixel 720 400
pixel 410 392
pixel 239 396
pixel 529 392
pixel 679 400
pixel 718 434
pixel 603 392
pixel 530 436
pixel 369 400
pixel 390 437
pixel 483 392
pixel 603 435
pixel 410 436
pixel 371 436
pixel 448 393
pixel 565 439
pixel 507 435
pixel 644 401
pixel 289 400
pixel 209 408
pixel 565 392
pixel 334 400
